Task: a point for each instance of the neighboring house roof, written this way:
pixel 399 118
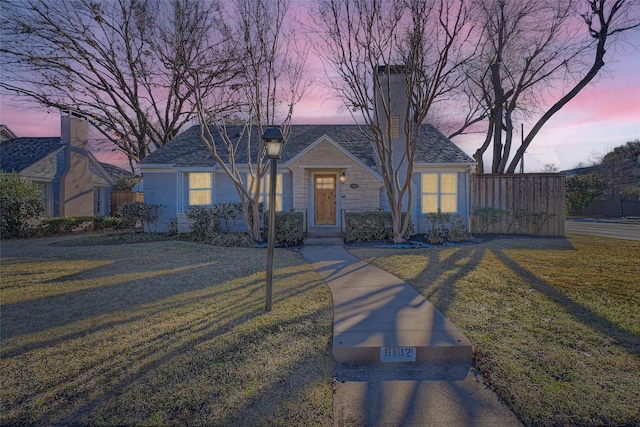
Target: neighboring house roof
pixel 114 171
pixel 188 150
pixel 6 133
pixel 19 153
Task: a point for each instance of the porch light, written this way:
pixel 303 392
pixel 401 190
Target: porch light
pixel 274 142
pixel 343 178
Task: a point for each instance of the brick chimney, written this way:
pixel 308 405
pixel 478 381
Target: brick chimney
pixel 392 103
pixel 76 184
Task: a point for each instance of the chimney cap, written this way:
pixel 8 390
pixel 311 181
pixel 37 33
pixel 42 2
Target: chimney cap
pixel 72 114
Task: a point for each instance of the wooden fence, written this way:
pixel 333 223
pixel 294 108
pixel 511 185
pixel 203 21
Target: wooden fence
pixel 120 197
pixel 526 203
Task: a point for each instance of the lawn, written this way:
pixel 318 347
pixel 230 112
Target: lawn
pixel 555 323
pixel 173 333
pixel 161 333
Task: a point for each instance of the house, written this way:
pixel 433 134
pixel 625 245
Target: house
pixel 324 171
pixel 72 181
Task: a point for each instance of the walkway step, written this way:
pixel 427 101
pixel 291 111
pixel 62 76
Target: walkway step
pixel 380 318
pixel 323 241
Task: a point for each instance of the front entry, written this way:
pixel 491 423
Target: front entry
pixel 324 200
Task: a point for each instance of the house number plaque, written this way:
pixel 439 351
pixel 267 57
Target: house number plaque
pixel 398 354
pixel 354 185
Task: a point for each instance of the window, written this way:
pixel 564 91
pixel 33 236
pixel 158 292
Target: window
pixel 45 190
pixel 264 190
pixel 439 192
pixel 97 201
pixel 200 184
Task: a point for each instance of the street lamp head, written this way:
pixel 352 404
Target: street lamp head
pixel 274 141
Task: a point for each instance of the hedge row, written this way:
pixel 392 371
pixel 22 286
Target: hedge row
pixel 367 226
pixel 289 227
pixel 61 225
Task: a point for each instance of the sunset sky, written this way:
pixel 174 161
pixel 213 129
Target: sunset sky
pixel 604 115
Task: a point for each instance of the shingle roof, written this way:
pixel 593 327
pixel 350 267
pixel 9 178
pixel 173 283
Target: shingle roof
pixel 19 153
pixel 114 171
pixel 188 150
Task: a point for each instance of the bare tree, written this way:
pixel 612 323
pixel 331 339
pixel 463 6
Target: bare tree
pixel 270 81
pixel 528 49
pixel 118 63
pixel 604 20
pixel 376 46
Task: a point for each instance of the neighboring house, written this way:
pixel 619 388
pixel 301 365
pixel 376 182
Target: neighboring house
pixel 325 171
pixel 72 181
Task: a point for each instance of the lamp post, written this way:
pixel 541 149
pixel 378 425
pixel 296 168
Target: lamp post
pixel 274 142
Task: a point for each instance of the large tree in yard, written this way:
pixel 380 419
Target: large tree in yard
pixel 268 84
pixel 376 48
pixel 118 63
pixel 528 51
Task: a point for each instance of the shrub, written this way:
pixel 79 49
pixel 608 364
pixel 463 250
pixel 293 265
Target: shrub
pixel 367 226
pixel 203 222
pixel 437 223
pixel 228 212
pixel 106 223
pixel 458 230
pixel 482 219
pixel 582 190
pixel 235 240
pixel 289 227
pixel 20 203
pixel 60 225
pixel 137 214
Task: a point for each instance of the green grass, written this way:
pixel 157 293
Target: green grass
pixel 555 323
pixel 161 333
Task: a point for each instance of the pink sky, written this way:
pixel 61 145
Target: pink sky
pixel 604 115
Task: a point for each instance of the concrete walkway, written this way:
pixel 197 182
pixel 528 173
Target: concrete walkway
pixel 400 362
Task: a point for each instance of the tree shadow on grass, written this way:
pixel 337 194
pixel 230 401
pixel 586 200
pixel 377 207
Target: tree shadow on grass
pixel 75 397
pixel 587 316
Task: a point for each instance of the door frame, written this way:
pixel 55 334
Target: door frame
pixel 312 195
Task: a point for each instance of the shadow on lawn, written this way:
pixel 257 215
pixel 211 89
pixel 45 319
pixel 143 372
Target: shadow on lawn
pixel 437 282
pixel 579 311
pixel 42 332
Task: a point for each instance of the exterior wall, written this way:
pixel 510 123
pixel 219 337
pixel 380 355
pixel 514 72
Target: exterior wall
pixel 160 188
pixel 224 189
pixel 366 196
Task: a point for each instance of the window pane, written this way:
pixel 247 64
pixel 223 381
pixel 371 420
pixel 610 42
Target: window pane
pixel 200 197
pixel 429 183
pixel 429 203
pixel 200 180
pixel 449 203
pixel 449 183
pixel 267 187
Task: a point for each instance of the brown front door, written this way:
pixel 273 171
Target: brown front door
pixel 324 199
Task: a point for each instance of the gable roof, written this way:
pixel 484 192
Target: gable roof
pixel 187 150
pixel 19 153
pixel 6 133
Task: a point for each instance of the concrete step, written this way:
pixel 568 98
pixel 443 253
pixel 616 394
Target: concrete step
pixel 323 241
pixel 403 346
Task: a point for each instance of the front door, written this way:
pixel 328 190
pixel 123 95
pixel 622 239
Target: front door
pixel 324 199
